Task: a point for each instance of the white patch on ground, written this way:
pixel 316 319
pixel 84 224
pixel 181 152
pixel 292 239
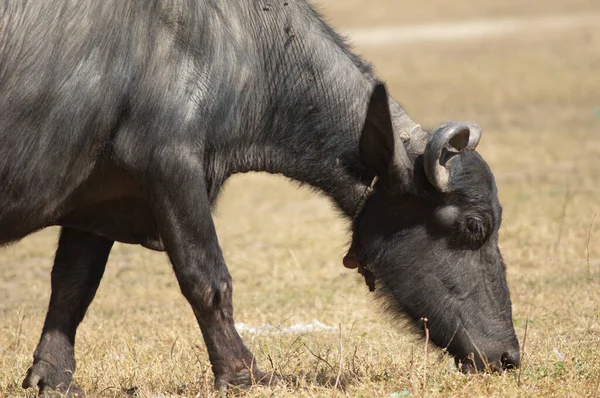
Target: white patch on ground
pixel 558 354
pixel 298 328
pixel 473 29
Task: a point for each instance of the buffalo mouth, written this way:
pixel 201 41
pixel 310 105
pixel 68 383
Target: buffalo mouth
pixel 506 362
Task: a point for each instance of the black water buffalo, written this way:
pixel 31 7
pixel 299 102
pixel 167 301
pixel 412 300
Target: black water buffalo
pixel 120 120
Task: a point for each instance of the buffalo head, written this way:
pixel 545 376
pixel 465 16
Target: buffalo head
pixel 427 239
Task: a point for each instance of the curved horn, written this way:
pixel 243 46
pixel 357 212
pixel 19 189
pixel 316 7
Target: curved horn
pixel 459 136
pixel 474 136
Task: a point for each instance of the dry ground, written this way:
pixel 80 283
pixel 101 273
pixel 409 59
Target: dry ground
pixel 360 13
pixel 537 95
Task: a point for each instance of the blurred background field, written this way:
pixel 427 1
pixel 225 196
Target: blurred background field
pixel 536 93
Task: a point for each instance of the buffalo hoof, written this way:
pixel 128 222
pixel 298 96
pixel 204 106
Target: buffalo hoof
pixel 245 378
pixel 52 381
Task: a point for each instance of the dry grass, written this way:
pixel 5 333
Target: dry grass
pixel 537 97
pixel 359 13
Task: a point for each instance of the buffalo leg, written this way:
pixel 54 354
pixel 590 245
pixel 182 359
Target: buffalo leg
pixel 78 267
pixel 182 210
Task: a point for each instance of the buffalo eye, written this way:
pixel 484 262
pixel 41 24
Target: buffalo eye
pixel 476 228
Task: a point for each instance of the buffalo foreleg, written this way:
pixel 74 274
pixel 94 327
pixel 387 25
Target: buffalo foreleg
pixel 183 214
pixel 78 268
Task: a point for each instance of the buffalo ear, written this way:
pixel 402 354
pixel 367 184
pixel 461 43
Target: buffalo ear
pixel 379 151
pixel 377 138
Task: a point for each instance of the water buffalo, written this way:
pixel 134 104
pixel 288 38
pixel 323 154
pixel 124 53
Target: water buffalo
pixel 121 120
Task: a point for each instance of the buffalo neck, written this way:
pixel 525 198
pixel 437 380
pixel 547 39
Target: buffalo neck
pixel 303 107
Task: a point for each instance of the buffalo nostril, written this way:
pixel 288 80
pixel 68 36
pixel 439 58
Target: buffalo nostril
pixel 510 360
